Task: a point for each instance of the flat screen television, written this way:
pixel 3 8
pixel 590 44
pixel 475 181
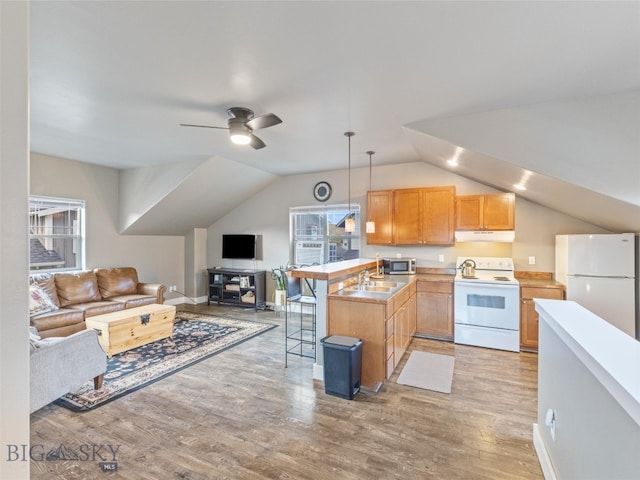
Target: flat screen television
pixel 238 246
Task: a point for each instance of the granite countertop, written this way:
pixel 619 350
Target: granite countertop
pixel 435 277
pixel 540 283
pixel 331 271
pixel 405 280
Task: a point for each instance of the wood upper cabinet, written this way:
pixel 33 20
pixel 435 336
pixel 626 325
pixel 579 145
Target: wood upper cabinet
pixel 407 216
pixel 438 220
pixel 380 210
pixel 424 216
pixel 528 315
pixel 485 212
pixel 434 311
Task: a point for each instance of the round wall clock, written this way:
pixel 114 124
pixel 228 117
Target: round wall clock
pixel 322 191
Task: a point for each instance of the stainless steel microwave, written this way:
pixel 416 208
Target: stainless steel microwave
pixel 399 266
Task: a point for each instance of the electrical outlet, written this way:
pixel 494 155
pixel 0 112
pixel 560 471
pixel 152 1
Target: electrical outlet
pixel 441 258
pixel 532 260
pixel 550 421
pixel 172 288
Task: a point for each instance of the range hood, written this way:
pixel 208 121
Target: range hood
pixel 485 236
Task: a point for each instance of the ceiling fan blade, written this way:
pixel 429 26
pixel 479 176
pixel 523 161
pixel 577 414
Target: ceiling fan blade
pixel 203 126
pixel 264 121
pixel 256 143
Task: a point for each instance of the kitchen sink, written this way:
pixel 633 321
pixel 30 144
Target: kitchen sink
pixel 369 288
pixel 385 284
pixel 377 286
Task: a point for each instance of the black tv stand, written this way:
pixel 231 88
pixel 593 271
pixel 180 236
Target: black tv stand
pixel 236 286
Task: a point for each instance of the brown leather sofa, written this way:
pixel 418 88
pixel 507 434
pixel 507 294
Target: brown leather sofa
pixel 89 293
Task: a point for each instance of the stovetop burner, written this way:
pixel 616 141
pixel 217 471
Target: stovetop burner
pixel 488 270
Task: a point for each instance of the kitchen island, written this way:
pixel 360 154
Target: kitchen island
pixel 386 319
pixel 383 316
pixel 329 277
pixel 588 395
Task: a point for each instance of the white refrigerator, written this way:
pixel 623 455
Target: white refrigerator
pixel 600 273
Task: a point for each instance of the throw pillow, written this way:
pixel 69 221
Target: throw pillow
pixel 34 338
pixel 39 301
pixel 37 342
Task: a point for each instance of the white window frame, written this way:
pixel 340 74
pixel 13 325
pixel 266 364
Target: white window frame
pixel 320 234
pixel 41 211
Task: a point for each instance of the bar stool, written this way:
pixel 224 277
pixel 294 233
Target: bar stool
pixel 300 332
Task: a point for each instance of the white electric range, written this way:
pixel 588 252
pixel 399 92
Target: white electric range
pixel 487 304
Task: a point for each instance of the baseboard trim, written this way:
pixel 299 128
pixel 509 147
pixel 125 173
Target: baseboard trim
pixel 318 372
pixel 183 299
pixel 543 456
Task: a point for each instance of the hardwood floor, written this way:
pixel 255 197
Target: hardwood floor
pixel 241 415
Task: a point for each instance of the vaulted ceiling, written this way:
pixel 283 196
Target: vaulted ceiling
pixel 546 94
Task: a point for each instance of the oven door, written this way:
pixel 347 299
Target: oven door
pixel 483 305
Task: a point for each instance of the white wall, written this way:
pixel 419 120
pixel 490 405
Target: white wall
pixel 595 436
pixel 14 265
pixel 196 276
pixel 267 214
pixel 156 258
pixel 590 141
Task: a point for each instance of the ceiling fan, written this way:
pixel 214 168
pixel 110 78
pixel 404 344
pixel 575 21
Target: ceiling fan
pixel 242 123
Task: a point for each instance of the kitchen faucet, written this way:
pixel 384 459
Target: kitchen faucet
pixel 365 274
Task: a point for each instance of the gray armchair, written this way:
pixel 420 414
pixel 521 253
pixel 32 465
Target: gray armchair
pixel 60 365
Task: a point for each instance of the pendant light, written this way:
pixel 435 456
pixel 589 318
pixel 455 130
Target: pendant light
pixel 350 222
pixel 371 225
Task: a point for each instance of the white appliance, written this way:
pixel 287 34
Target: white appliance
pixel 600 273
pixel 487 305
pixel 309 252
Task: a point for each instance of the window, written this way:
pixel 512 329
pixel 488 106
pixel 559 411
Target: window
pixel 318 236
pixel 56 234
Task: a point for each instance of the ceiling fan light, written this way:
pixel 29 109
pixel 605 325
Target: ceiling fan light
pixel 240 138
pixel 240 133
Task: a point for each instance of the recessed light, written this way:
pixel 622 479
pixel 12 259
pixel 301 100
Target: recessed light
pixel 453 161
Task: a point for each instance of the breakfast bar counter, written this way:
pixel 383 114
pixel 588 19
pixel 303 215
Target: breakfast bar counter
pixel 333 271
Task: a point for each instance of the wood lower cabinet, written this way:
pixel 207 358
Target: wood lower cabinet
pixel 368 322
pixel 404 323
pixel 434 309
pixel 385 328
pixel 529 316
pixel 485 212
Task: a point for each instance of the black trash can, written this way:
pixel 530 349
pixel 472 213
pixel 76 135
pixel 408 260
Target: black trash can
pixel 342 364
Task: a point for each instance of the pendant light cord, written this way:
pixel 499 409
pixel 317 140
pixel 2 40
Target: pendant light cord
pixel 349 135
pixel 370 152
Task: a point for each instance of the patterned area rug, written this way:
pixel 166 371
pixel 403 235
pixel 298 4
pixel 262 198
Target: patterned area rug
pixel 196 336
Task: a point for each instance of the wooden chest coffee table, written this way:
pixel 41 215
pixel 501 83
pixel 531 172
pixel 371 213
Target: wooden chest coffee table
pixel 133 327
